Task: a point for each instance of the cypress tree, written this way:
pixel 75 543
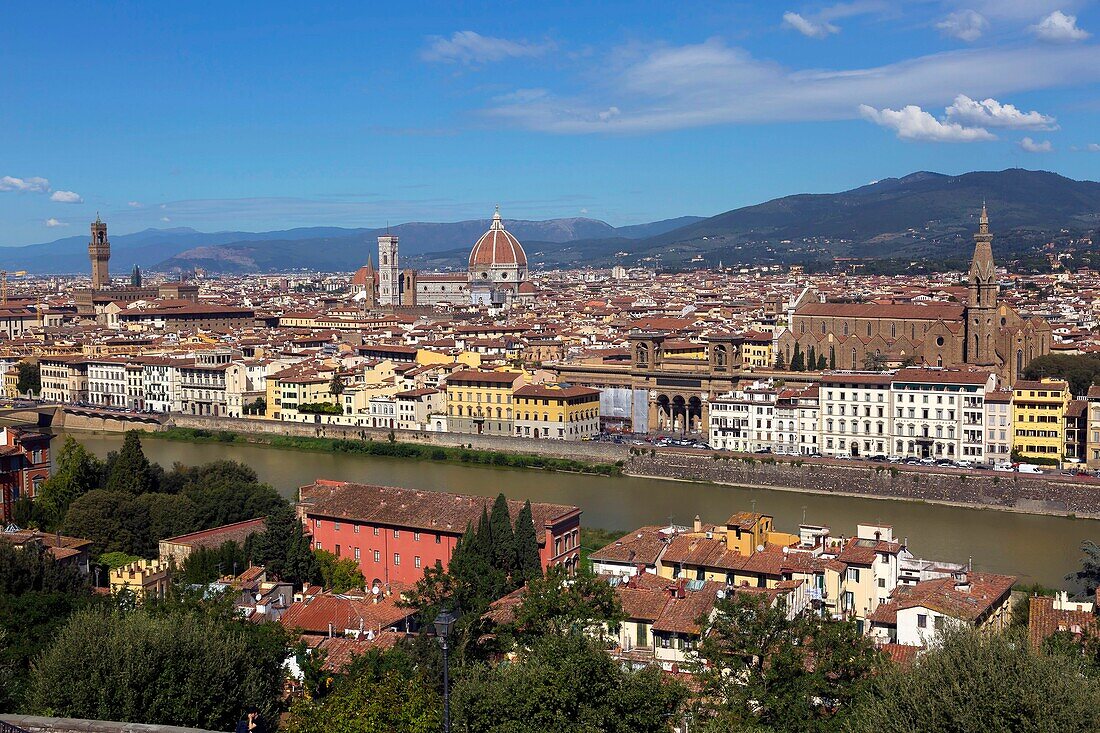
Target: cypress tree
pixel 811 358
pixel 832 357
pixel 528 562
pixel 779 362
pixel 500 529
pixel 798 361
pixel 820 362
pixel 130 470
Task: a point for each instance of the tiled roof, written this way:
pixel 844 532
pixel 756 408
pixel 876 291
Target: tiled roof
pixel 412 508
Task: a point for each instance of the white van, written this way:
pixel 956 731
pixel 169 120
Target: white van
pixel 1028 468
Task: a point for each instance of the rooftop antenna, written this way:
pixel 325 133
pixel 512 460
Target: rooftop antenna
pixel 754 506
pixel 803 513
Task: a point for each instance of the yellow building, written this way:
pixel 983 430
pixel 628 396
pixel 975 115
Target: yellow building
pixel 143 578
pixel 555 412
pixel 756 350
pixel 1038 419
pixel 480 402
pixel 291 388
pixel 11 383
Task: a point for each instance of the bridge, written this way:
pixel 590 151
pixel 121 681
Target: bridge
pixel 78 417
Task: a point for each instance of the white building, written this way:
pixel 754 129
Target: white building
pixel 107 386
pixel 855 414
pixel 998 426
pixel 940 413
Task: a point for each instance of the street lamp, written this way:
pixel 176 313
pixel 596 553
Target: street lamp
pixel 444 622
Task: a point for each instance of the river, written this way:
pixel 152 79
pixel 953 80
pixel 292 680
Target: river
pixel 1033 547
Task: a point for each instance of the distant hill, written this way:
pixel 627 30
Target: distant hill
pixel 921 215
pixel 314 248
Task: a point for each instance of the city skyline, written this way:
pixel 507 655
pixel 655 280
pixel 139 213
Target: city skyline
pixel 176 117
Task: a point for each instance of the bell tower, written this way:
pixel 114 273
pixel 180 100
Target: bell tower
pixel 389 276
pixel 99 252
pixel 981 307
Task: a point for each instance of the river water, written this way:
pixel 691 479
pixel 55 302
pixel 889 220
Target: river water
pixel 1035 548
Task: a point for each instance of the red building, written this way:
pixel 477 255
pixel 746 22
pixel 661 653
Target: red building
pixel 24 465
pixel 394 533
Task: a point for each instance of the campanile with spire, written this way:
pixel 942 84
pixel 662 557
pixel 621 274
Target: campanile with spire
pixel 981 309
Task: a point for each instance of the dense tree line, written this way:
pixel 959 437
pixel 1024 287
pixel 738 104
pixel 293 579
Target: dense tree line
pixel 1080 370
pixel 127 504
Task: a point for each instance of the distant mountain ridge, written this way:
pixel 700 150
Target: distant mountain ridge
pixel 315 248
pixel 921 215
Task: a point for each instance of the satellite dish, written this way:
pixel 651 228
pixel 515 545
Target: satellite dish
pixel 375 589
pixel 759 548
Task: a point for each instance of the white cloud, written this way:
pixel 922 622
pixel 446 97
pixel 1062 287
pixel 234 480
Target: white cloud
pixel 991 113
pixel 1093 147
pixel 966 25
pixel 51 222
pixel 134 204
pixel 1033 146
pixel 807 27
pixel 32 185
pixel 663 87
pixel 468 47
pixel 66 197
pixel 165 219
pixel 913 123
pixel 609 113
pixel 1059 28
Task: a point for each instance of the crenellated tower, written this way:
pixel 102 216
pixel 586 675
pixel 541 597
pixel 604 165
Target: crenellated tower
pixel 99 252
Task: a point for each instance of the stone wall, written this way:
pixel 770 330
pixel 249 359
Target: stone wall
pixel 1037 494
pixel 36 724
pixel 589 451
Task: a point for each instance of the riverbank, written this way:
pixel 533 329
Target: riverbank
pixel 391 449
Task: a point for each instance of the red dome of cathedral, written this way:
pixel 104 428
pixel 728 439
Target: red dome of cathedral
pixel 365 274
pixel 497 247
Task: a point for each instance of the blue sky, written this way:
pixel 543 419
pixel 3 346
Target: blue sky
pixel 265 116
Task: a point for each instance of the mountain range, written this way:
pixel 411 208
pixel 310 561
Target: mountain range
pixel 922 215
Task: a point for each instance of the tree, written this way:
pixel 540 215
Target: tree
pixel 1080 370
pixel 832 357
pixel 820 362
pixel 130 471
pixel 190 668
pixel 257 406
pixel 170 515
pixel 874 361
pixel 762 668
pixel 528 563
pixel 811 358
pixel 115 521
pixel 225 492
pixel 1088 577
pixel 503 537
pixel 207 564
pixel 779 361
pixel 382 692
pixel 30 378
pixel 76 473
pixel 114 560
pixel 559 604
pixel 336 386
pixel 565 684
pixel 798 360
pixel 339 575
pixel 284 548
pixel 975 682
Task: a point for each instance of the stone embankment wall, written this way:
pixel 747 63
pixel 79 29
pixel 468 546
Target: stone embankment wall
pixel 589 451
pixel 1037 494
pixel 1002 490
pixel 36 724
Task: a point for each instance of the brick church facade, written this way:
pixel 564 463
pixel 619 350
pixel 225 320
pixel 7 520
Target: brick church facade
pixel 983 332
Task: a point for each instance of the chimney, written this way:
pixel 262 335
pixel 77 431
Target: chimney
pixel 697 525
pixel 962 582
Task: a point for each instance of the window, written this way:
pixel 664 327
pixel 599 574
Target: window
pixel 317 545
pixel 416 561
pixel 376 531
pixel 377 556
pixel 922 621
pixel 416 537
pixel 335 526
pixel 438 538
pixel 397 558
pixel 356 554
pixel 355 528
pixel 853 575
pixel 396 533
